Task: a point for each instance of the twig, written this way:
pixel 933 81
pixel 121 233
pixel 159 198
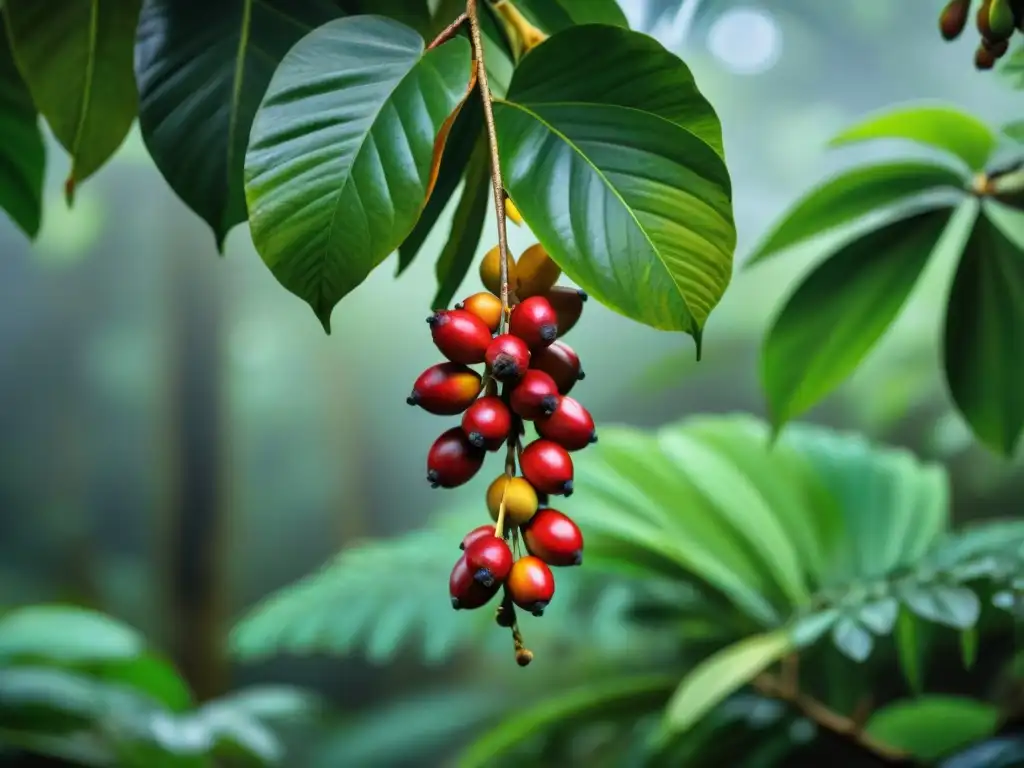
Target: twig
pixel 448 32
pixel 843 728
pixel 472 13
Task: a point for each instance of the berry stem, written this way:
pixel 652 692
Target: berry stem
pixel 476 38
pixel 448 32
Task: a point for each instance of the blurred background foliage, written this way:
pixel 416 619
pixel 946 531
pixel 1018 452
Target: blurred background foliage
pixel 181 439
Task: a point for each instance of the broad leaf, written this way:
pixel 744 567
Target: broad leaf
pixel 76 57
pixel 412 13
pixel 721 675
pixel 933 726
pixel 851 196
pixel 202 69
pixel 983 341
pixel 339 160
pixel 841 310
pixel 556 15
pixel 623 189
pixel 22 152
pixel 911 649
pixel 939 127
pixel 467 225
pixel 952 606
pixel 65 633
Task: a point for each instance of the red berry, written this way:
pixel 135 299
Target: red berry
pixel 554 538
pixel 534 321
pixel 453 460
pixel 480 532
pixel 571 426
pixel 535 395
pixel 490 560
pixel 568 306
pixel 466 592
pixel 461 336
pixel 445 389
pixel 560 363
pixel 530 584
pixel 507 357
pixel 548 467
pixel 487 423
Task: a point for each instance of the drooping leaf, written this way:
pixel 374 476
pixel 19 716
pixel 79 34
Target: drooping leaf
pixel 851 196
pixel 838 313
pixel 628 696
pixel 910 649
pixel 76 58
pixel 202 70
pixel 635 207
pixel 22 152
pixel 852 639
pixel 879 615
pixel 931 727
pixel 952 606
pixel 983 343
pixel 467 225
pixel 339 158
pixel 721 675
pixel 555 15
pixel 940 127
pixel 65 633
pixel 969 647
pixel 148 674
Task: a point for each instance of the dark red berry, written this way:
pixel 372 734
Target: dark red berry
pixel 548 467
pixel 571 425
pixel 568 305
pixel 560 362
pixel 480 532
pixel 507 357
pixel 534 321
pixel 535 395
pixel 466 592
pixel 490 560
pixel 530 584
pixel 554 538
pixel 445 389
pixel 453 460
pixel 461 336
pixel 487 423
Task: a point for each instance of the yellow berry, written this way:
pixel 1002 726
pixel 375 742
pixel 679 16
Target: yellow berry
pixel 520 499
pixel 536 272
pixel 490 271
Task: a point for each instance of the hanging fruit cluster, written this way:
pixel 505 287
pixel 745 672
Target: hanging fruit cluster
pixel 996 21
pixel 520 348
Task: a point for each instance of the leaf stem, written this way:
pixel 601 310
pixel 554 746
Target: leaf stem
pixel 476 38
pixel 448 32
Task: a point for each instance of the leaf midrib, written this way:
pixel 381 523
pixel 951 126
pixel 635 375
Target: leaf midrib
pixel 90 74
pixel 236 97
pixel 611 187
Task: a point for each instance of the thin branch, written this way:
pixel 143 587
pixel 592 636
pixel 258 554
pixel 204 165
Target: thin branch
pixel 472 12
pixel 448 32
pixel 843 728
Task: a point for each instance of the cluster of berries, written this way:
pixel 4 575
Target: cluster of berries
pixel 521 350
pixel 996 21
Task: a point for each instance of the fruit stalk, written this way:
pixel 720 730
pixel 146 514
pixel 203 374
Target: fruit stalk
pixel 472 13
pixel 448 32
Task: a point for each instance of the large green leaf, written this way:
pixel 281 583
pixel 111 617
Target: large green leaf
pixel 722 674
pixel 412 13
pixel 841 309
pixel 940 127
pixel 853 195
pixel 22 152
pixel 556 15
pixel 984 345
pixel 931 727
pixel 620 185
pixel 340 154
pixel 202 69
pixel 65 633
pixel 76 57
pixel 467 225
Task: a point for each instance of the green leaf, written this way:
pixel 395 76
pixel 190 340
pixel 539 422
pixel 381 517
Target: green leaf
pixel 852 195
pixel 933 726
pixel 838 313
pixel 880 615
pixel 628 696
pixel 969 647
pixel 556 15
pixel 202 70
pixel 22 152
pixel 152 675
pixel 722 674
pixel 65 634
pixel 468 224
pixel 341 150
pixel 983 342
pixel 852 639
pixel 952 606
pixel 412 13
pixel 1012 68
pixel 939 127
pixel 76 58
pixel 635 207
pixel 1015 131
pixel 910 649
